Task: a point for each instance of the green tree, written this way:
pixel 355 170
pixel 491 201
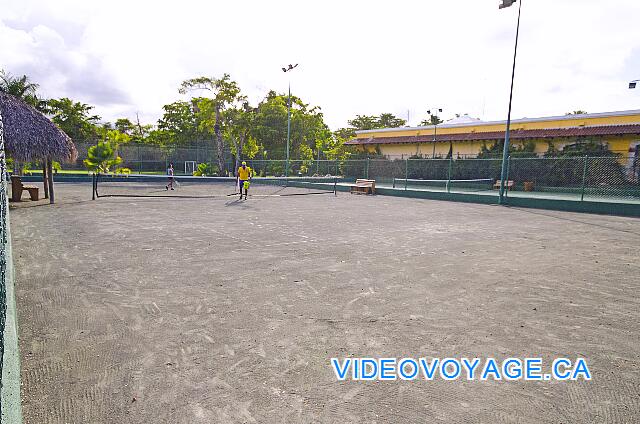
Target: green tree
pixel 370 122
pixel 270 123
pixel 338 150
pixel 307 126
pixel 309 130
pixel 179 121
pixel 334 147
pixel 307 156
pixel 74 118
pixel 345 133
pixel 526 149
pixel 431 120
pixel 101 157
pixel 115 138
pixel 125 126
pixel 583 147
pixel 225 92
pixel 161 138
pixel 140 133
pixel 389 120
pixel 104 155
pixel 238 127
pixel 364 122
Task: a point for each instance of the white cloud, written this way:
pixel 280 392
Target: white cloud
pixel 43 54
pixel 356 57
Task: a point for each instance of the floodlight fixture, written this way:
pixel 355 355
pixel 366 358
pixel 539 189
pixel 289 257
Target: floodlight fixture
pixel 506 3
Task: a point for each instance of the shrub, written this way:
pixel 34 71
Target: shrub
pixel 122 171
pixel 206 170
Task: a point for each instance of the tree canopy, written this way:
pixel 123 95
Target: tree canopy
pixel 74 118
pixel 217 113
pixel 370 122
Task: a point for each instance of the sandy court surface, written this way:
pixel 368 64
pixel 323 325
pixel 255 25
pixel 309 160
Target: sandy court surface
pixel 214 310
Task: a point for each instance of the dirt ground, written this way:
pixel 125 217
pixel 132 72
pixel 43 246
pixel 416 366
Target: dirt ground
pixel 219 311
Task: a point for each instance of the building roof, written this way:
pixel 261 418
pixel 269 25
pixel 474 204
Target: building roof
pixel 602 130
pixel 29 135
pixel 464 119
pixel 580 117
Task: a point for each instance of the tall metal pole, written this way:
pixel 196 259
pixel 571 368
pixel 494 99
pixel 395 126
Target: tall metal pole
pixel 435 132
pixel 288 69
pixel 286 171
pixel 505 152
pixel 50 180
pixel 435 129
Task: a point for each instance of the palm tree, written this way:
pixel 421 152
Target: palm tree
pixel 22 88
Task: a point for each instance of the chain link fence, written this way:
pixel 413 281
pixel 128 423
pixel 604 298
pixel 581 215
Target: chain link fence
pixel 4 239
pixel 575 178
pixel 578 178
pixel 149 159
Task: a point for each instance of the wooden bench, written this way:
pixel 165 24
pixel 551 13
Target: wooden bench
pixel 17 188
pixel 508 185
pixel 363 187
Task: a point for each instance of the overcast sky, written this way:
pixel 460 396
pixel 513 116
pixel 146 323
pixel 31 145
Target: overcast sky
pixel 356 57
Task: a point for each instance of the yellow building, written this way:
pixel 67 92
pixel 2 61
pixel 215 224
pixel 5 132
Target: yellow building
pixel 619 131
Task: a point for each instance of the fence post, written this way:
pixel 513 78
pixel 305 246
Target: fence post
pixel 584 177
pixel 366 170
pixel 506 192
pixel 406 173
pixel 449 174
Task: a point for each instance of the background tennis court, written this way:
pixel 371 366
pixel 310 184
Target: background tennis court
pixel 205 310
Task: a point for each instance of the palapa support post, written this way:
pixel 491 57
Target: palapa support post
pixel 45 181
pixel 94 184
pixel 50 180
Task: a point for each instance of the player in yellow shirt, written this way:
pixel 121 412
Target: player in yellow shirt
pixel 243 176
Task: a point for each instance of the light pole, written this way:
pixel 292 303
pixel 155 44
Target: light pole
pixel 633 84
pixel 288 69
pixel 435 128
pixel 505 152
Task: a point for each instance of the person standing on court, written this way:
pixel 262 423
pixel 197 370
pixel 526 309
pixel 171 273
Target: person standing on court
pixel 243 176
pixel 170 177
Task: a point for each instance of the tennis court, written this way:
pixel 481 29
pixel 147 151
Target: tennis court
pixel 203 310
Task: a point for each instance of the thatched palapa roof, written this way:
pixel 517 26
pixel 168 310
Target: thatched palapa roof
pixel 29 135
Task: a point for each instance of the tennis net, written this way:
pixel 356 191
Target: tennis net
pixel 138 185
pixel 479 184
